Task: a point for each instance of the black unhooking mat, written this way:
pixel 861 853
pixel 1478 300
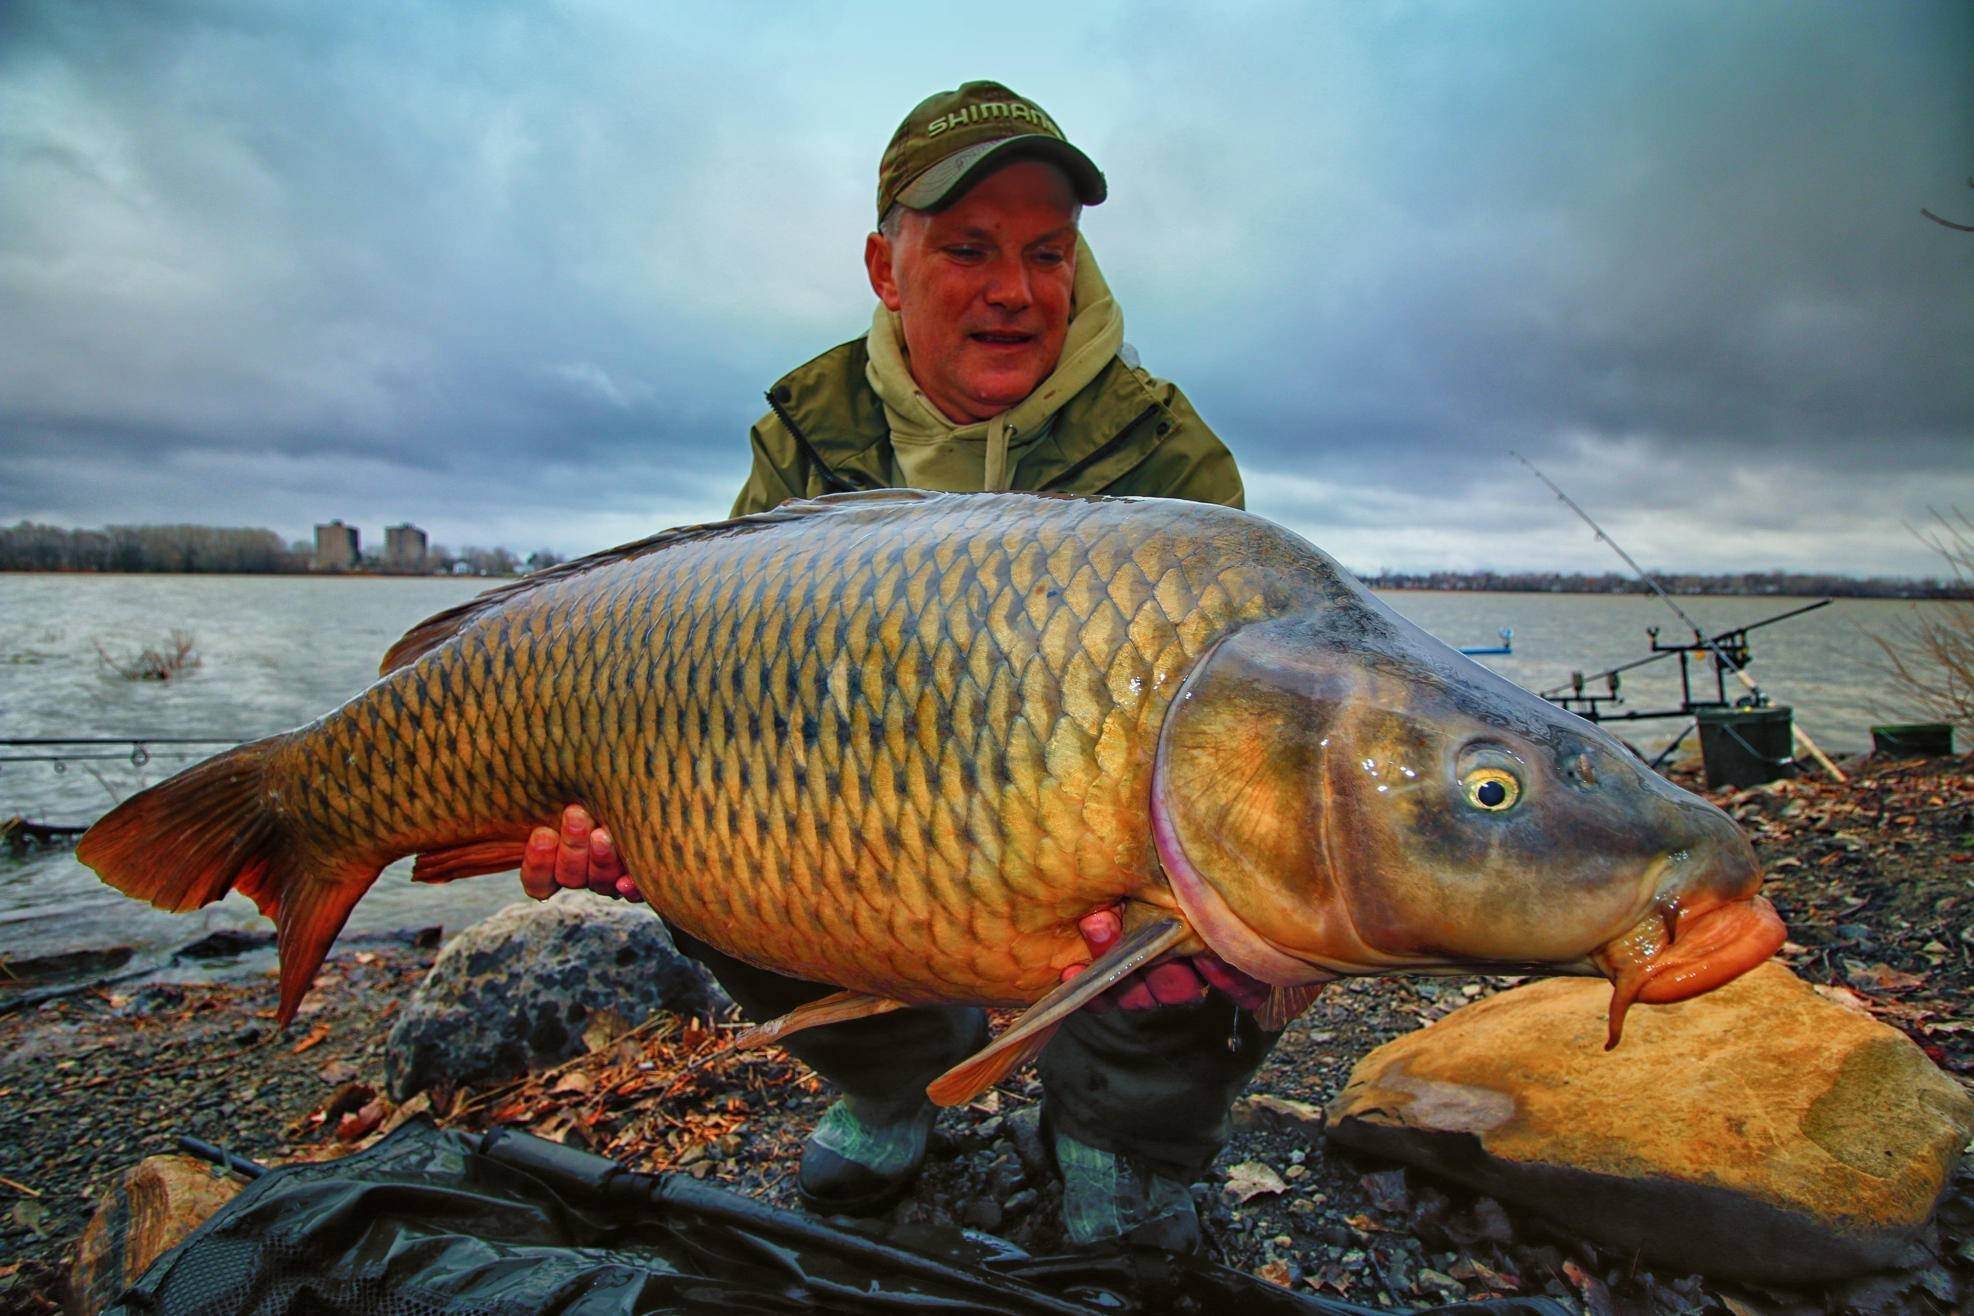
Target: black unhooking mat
pixel 436 1222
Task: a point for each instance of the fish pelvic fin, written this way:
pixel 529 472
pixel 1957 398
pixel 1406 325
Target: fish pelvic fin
pixel 1284 1004
pixel 836 1008
pixel 1026 1036
pixel 211 829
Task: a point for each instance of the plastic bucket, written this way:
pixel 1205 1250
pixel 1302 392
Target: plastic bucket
pixel 1746 746
pixel 1912 739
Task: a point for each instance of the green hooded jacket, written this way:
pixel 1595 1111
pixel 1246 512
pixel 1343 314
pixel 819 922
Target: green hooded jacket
pixel 1124 433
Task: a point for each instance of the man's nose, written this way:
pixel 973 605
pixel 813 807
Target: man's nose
pixel 1008 285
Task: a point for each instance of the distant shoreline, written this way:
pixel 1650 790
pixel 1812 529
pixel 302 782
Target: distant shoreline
pixel 1759 588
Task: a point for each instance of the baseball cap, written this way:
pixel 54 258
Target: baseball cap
pixel 954 138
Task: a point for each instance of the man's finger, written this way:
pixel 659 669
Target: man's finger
pixel 628 890
pixel 572 854
pixel 605 868
pixel 1100 930
pixel 538 864
pixel 1132 994
pixel 1174 983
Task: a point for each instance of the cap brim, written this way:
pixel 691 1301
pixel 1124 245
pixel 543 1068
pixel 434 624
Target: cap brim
pixel 947 181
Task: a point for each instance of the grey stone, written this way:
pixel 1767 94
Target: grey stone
pixel 515 992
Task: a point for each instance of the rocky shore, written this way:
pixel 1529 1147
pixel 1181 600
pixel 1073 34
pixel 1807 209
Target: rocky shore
pixel 1875 880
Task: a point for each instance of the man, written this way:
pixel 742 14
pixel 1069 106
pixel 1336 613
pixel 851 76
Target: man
pixel 995 360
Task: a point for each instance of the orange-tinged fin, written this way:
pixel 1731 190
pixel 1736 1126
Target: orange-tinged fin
pixel 189 840
pixel 1026 1036
pixel 836 1008
pixel 470 859
pixel 1284 1004
pixel 435 630
pixel 988 1066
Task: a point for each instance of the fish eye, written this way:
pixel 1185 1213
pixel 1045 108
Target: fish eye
pixel 1494 790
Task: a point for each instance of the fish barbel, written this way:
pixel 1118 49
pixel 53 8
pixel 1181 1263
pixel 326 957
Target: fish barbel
pixel 902 742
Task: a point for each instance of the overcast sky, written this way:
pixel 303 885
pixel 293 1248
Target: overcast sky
pixel 519 273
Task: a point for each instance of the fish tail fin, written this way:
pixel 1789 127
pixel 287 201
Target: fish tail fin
pixel 189 840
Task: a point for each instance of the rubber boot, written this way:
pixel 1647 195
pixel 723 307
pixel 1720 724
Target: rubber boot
pixel 863 1155
pixel 1113 1201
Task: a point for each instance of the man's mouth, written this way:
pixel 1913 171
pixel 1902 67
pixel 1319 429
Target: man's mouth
pixel 1001 338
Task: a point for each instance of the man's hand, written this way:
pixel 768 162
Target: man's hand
pixel 1183 981
pixel 582 856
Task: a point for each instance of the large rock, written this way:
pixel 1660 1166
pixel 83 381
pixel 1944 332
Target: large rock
pixel 516 991
pixel 1759 1132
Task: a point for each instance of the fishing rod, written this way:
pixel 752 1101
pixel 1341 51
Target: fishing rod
pixel 1720 654
pixel 1668 651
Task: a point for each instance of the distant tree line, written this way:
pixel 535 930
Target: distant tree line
pixel 28 546
pixel 31 547
pixel 1790 583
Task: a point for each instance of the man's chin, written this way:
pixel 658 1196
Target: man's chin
pixel 991 393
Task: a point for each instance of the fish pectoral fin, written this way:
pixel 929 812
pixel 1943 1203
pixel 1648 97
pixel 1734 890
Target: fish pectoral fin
pixel 448 863
pixel 1026 1036
pixel 1285 1003
pixel 836 1008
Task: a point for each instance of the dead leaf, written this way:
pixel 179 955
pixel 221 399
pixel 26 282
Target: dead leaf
pixel 603 1028
pixel 574 1081
pixel 316 1036
pixel 336 1071
pixel 367 957
pixel 1276 1272
pixel 1476 1272
pixel 1885 978
pixel 1843 996
pixel 361 1121
pixel 32 1216
pixel 1252 1179
pixel 418 1105
pixel 1596 1298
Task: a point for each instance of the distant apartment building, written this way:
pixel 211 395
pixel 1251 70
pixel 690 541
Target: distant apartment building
pixel 336 547
pixel 404 548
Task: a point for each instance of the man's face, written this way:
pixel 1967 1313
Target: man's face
pixel 982 288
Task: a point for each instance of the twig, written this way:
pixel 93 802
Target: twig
pixel 19 1187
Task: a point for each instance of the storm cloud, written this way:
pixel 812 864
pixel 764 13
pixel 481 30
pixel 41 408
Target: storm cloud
pixel 520 273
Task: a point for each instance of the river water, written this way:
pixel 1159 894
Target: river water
pixel 277 651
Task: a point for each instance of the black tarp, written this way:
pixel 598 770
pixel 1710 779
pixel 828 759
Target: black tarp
pixel 436 1222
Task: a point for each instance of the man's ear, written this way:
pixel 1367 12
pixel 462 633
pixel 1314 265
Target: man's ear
pixel 877 262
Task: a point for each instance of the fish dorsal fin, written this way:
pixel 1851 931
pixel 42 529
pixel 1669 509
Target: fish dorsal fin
pixel 1026 1036
pixel 435 630
pixel 836 1008
pixel 1285 1003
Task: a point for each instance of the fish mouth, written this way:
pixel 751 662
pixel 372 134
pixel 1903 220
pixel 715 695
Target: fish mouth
pixel 1679 951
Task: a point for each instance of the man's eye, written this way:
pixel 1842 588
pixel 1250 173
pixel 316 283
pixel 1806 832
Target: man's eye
pixel 1050 257
pixel 966 253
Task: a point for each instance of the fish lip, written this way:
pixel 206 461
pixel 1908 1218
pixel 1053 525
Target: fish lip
pixel 1673 953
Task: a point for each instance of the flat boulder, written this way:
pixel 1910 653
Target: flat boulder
pixel 518 990
pixel 1759 1132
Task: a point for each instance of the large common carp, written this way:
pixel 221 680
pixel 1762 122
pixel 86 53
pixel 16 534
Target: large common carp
pixel 902 742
